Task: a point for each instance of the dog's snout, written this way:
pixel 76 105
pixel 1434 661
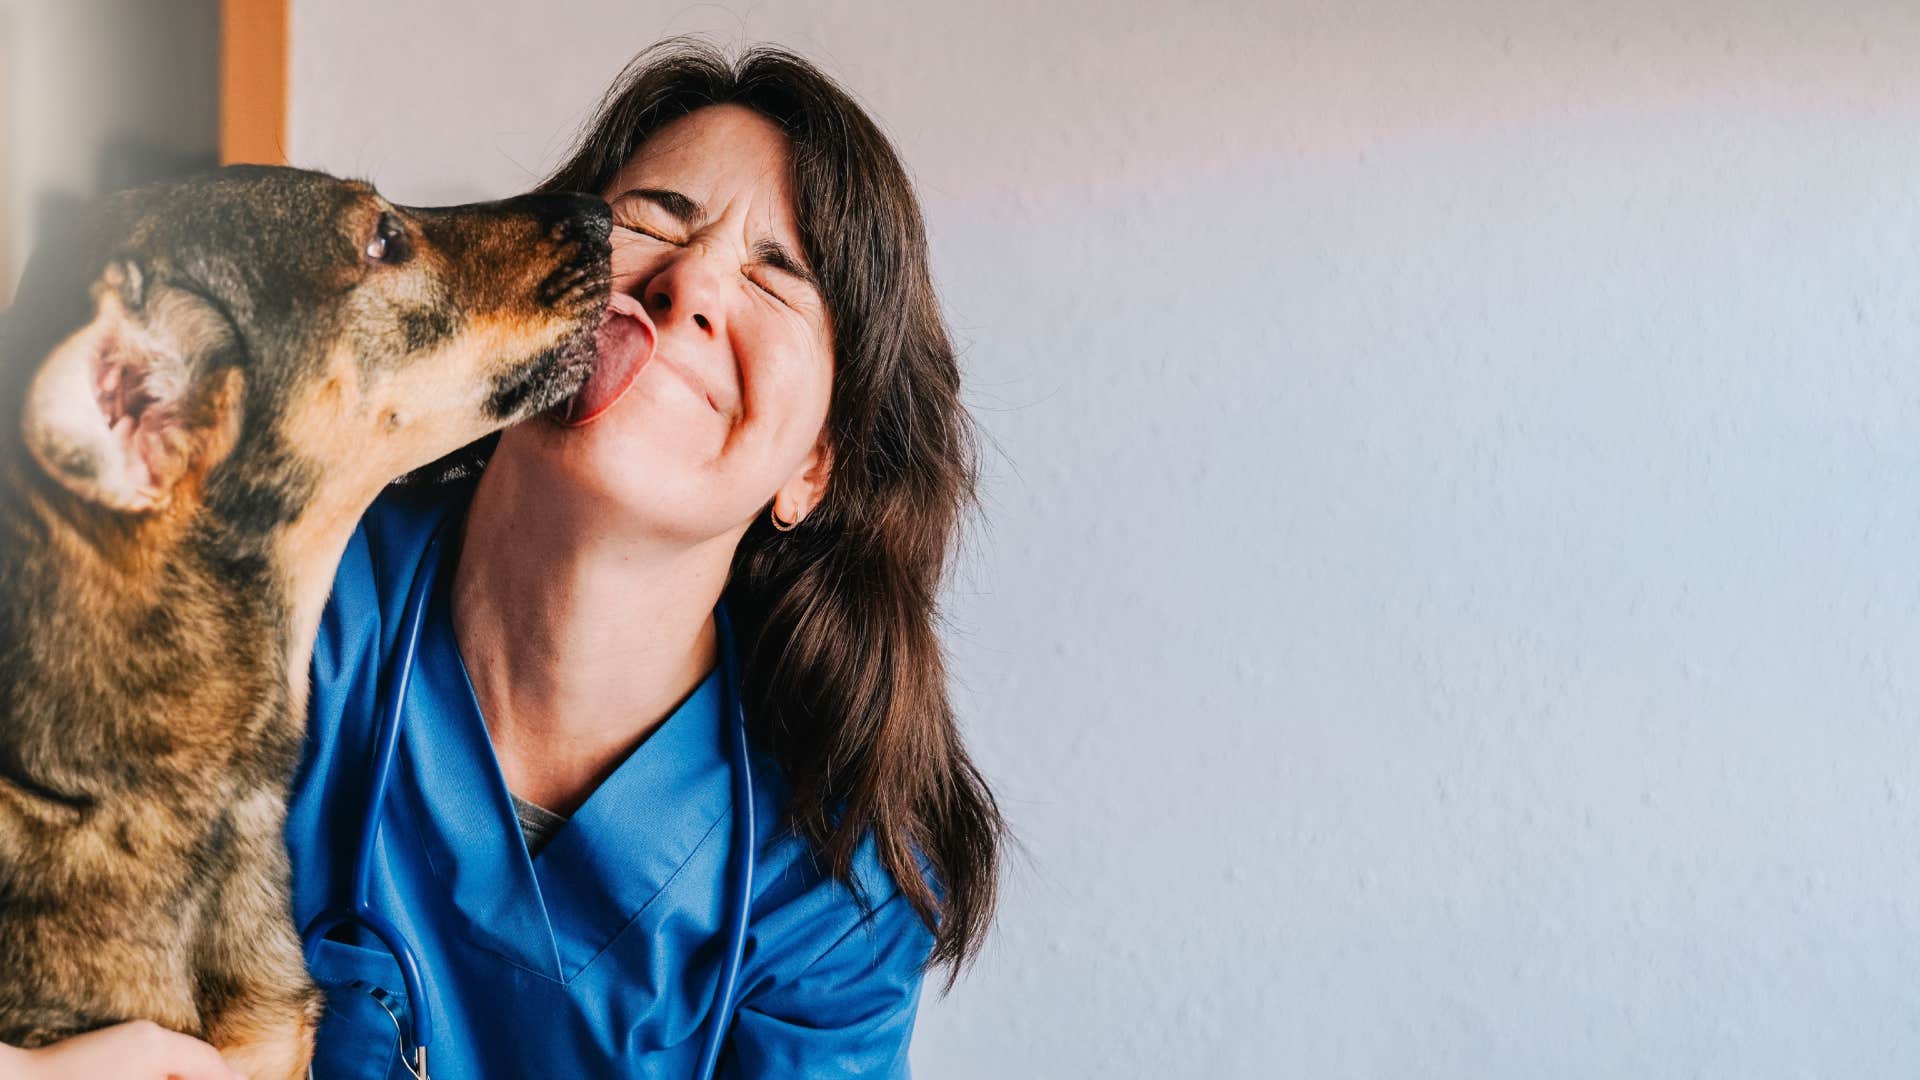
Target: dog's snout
pixel 574 219
pixel 578 248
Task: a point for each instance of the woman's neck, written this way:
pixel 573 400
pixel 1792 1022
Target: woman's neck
pixel 579 643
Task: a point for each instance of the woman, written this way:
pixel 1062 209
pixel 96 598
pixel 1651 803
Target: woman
pixel 774 433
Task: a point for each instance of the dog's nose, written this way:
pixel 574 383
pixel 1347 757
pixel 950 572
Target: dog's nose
pixel 573 219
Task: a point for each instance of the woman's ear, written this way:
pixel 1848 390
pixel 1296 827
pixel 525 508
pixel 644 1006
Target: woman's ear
pixel 808 486
pixel 120 411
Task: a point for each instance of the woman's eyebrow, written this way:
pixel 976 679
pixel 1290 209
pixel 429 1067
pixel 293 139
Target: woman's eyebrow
pixel 773 253
pixel 683 209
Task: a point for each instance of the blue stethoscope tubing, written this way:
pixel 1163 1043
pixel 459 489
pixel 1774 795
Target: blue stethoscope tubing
pixel 387 741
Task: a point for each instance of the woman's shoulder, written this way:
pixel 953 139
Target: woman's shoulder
pixel 835 967
pixel 376 569
pixel 377 565
pixel 395 530
pixel 803 911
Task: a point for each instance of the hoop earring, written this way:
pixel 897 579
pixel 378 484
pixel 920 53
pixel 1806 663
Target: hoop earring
pixel 773 512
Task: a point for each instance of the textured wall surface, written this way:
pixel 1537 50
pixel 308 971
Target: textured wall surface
pixel 1451 588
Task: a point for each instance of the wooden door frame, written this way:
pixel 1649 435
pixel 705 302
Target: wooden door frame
pixel 253 81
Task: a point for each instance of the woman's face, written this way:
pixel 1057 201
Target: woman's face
pixel 729 409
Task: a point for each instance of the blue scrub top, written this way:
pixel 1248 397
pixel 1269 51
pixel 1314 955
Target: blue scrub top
pixel 600 956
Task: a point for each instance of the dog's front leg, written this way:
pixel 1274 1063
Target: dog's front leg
pixel 259 1005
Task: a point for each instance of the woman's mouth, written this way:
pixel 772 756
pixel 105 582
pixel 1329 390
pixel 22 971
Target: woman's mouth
pixel 625 345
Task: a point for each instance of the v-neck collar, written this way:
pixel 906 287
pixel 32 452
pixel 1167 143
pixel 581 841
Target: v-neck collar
pixel 552 915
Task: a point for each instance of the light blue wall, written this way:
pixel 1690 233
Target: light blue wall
pixel 1452 585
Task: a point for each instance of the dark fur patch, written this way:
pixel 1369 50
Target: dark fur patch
pixel 424 327
pixel 543 381
pixel 563 284
pixel 11 773
pixel 75 464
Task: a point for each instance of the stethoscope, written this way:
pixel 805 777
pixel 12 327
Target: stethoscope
pixel 387 739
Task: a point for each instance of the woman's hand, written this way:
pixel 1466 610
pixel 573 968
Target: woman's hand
pixel 135 1050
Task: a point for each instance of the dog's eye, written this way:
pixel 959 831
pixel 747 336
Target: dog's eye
pixel 389 243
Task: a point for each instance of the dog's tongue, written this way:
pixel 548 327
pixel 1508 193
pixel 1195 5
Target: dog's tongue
pixel 625 344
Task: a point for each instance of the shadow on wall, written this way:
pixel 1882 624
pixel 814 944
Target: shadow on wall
pixel 97 96
pixel 126 161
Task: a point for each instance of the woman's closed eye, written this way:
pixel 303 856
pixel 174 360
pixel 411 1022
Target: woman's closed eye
pixel 779 274
pixel 758 276
pixel 642 231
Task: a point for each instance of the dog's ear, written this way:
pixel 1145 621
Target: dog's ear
pixel 130 404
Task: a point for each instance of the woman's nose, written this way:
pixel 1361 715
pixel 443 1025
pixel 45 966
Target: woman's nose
pixel 686 290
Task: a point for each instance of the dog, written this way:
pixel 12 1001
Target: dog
pixel 200 393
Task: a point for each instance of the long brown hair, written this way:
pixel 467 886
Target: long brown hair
pixel 844 678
